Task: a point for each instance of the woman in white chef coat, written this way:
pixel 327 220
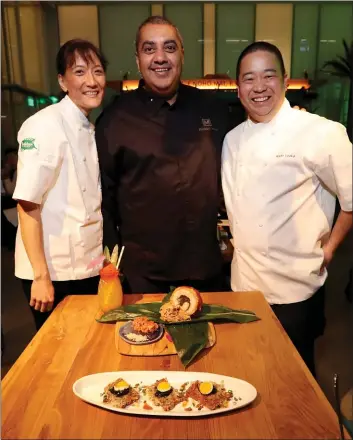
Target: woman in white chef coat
pixel 58 187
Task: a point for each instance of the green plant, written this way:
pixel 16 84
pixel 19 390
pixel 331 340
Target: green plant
pixel 343 67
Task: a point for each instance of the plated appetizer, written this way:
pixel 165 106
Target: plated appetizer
pixel 184 303
pixel 141 331
pixel 144 326
pixel 120 394
pixel 209 394
pixel 161 393
pixel 183 307
pixel 168 395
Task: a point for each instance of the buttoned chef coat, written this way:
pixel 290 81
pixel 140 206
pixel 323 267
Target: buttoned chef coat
pixel 280 180
pixel 58 169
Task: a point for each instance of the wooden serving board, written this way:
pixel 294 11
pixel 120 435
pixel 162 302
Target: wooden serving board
pixel 159 348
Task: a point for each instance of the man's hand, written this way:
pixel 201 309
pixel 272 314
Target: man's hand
pixel 343 224
pixel 42 295
pixel 328 255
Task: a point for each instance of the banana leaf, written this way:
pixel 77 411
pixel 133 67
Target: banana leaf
pixel 209 313
pixel 189 337
pixel 215 312
pixel 168 295
pixel 132 311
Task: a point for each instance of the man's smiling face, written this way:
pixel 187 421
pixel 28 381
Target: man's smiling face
pixel 160 58
pixel 261 85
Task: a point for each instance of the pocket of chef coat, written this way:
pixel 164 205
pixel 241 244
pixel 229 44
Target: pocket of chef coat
pixel 59 252
pixel 91 236
pixel 251 235
pixel 319 260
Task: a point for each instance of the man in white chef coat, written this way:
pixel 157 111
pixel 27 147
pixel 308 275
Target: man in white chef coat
pixel 281 172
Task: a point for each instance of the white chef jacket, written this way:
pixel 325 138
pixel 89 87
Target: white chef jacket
pixel 279 181
pixel 58 169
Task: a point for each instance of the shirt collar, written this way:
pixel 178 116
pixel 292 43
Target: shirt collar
pixel 74 113
pixel 148 96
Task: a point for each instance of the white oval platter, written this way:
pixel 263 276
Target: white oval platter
pixel 90 389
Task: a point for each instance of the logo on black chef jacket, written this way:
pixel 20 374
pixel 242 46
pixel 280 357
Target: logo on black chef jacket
pixel 206 125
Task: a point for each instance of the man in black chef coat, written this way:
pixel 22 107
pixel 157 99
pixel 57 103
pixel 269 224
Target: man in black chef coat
pixel 159 152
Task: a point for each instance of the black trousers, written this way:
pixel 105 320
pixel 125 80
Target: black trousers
pixel 62 289
pixel 8 232
pixel 140 284
pixel 304 322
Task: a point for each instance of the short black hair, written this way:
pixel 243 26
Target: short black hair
pixel 67 54
pixel 156 19
pixel 264 46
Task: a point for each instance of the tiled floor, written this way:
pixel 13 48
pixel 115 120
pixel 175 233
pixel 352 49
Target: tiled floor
pixel 334 352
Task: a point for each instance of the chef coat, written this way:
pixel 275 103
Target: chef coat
pixel 58 169
pixel 280 180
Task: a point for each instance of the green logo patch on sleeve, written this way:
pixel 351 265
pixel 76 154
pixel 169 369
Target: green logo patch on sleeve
pixel 28 144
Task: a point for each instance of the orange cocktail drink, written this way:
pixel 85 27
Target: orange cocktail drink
pixel 110 292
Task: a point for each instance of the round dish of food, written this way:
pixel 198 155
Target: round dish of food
pixel 141 331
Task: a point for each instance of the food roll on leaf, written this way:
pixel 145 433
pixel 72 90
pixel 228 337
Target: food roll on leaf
pixel 188 299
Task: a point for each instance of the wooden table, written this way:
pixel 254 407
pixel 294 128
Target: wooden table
pixel 38 402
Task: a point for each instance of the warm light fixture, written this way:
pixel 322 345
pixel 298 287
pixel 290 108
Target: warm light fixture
pixel 217 84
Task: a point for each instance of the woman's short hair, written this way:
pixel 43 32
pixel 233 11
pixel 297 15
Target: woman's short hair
pixel 67 54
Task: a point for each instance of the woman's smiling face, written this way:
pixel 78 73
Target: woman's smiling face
pixel 84 82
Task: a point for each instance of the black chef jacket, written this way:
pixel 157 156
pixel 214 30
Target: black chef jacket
pixel 160 171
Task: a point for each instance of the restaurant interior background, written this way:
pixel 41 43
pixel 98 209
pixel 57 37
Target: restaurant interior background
pixel 308 34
